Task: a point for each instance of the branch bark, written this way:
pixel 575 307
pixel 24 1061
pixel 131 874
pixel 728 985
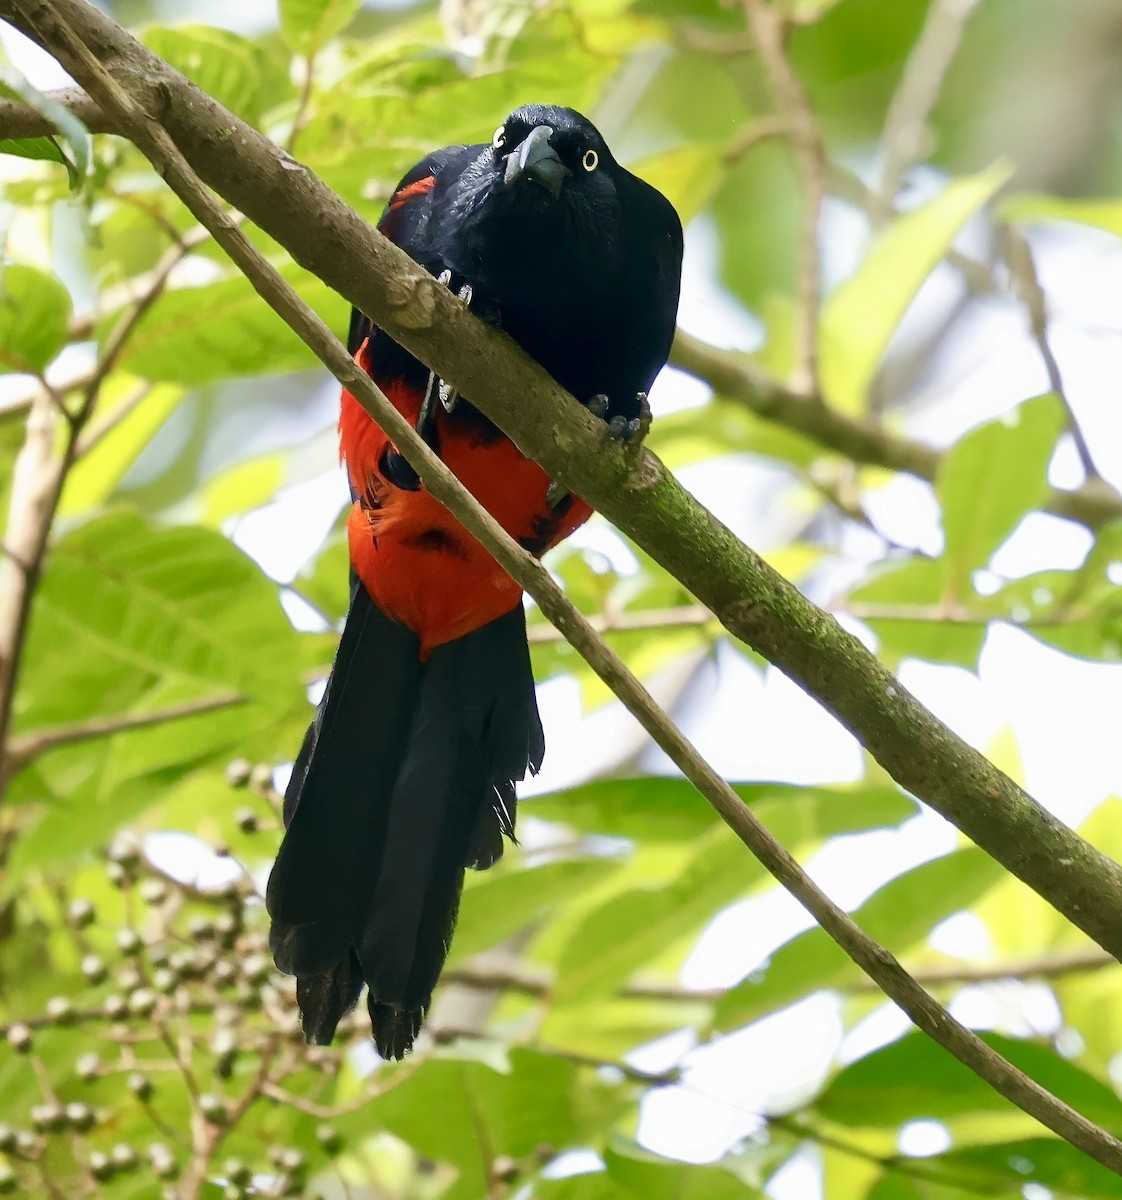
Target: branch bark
pixel 633 490
pixel 421 302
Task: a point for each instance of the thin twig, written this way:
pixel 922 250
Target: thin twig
pixel 19 404
pixel 112 300
pixel 1022 267
pixel 93 434
pixel 682 616
pixel 303 105
pixel 445 1034
pixel 727 45
pixel 950 614
pixel 766 23
pixel 529 980
pixel 27 747
pixel 154 142
pixel 911 1168
pixel 35 488
pixel 905 126
pixel 755 132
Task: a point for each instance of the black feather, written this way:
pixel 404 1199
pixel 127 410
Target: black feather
pixel 408 779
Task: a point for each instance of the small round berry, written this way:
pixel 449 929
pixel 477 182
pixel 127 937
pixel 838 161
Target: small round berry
pixel 20 1038
pixel 79 1116
pixel 238 772
pixel 80 913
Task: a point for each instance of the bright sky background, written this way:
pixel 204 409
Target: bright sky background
pixel 758 726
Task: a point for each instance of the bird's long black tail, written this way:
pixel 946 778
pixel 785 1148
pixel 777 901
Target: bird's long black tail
pixel 405 778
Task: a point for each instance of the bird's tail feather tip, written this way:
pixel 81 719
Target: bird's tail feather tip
pixel 325 999
pixel 395 1029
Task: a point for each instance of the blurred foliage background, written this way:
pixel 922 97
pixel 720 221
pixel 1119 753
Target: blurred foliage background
pixel 630 1008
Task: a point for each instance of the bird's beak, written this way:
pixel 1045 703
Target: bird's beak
pixel 537 161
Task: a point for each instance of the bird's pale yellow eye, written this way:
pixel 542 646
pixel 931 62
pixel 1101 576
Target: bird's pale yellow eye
pixel 499 137
pixel 590 161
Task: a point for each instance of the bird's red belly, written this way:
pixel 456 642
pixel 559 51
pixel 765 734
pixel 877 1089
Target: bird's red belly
pixel 417 562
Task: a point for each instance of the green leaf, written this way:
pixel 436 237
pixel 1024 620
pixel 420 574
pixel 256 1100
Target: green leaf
pixel 235 71
pixel 687 176
pixel 660 808
pixel 144 620
pixel 484 1113
pixel 14 86
pixel 919 585
pixel 96 475
pixel 915 1077
pixel 242 487
pixel 221 331
pixel 1029 208
pixel 725 427
pixel 324 581
pixel 43 148
pixel 34 313
pixel 893 1185
pixel 898 915
pixel 859 319
pixel 498 904
pixel 989 480
pixel 308 24
pixel 640 925
pixel 1046 1161
pixel 646 1175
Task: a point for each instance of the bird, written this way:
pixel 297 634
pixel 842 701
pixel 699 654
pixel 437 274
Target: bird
pixel 407 775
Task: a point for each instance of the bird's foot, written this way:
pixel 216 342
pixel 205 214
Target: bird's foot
pixel 449 397
pixel 631 431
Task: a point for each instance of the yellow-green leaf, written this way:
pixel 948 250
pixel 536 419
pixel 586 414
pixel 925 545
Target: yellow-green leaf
pixel 859 319
pixel 989 480
pixel 34 311
pixel 1028 208
pixel 687 176
pixel 307 24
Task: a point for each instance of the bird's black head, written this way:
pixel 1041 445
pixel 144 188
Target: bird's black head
pixel 543 195
pixel 578 259
pixel 555 149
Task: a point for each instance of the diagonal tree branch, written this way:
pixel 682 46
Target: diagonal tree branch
pixel 633 490
pixel 154 142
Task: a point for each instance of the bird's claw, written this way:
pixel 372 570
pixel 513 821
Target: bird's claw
pixel 632 430
pixel 449 397
pixel 620 429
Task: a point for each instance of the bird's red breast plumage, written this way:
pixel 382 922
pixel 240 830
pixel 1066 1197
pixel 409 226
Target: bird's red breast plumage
pixel 417 562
